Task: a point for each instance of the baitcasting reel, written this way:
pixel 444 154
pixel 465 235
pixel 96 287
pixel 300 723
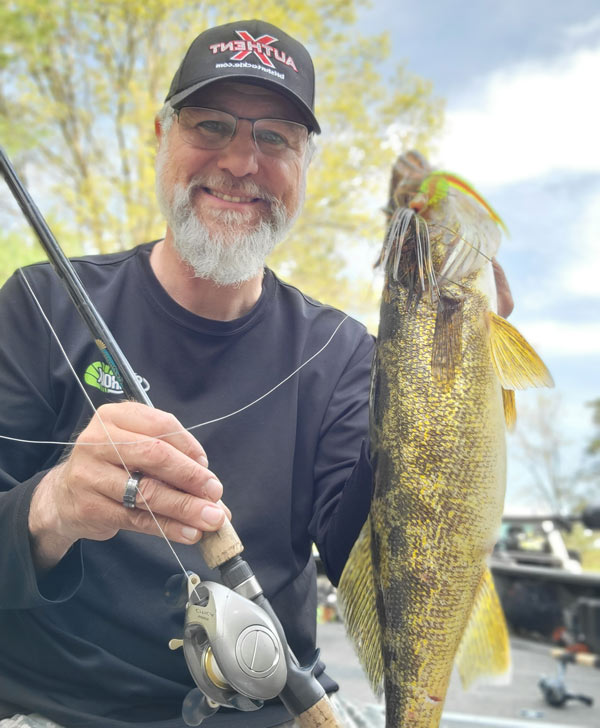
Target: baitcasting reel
pixel 226 634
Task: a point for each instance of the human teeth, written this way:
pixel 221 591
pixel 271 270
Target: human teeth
pixel 230 198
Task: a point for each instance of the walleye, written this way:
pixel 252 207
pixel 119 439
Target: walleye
pixel 445 370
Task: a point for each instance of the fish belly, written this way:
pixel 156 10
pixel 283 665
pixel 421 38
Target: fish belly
pixel 438 451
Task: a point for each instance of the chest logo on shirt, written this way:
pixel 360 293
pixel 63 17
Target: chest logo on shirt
pixel 101 376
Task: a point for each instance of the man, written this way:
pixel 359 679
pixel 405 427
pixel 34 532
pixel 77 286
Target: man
pixel 215 339
pixel 83 621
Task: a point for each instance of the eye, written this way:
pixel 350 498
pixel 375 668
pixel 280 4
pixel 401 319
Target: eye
pixel 213 127
pixel 271 137
pixel 206 125
pixel 279 136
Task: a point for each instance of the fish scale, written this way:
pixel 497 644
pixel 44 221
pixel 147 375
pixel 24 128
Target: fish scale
pixel 424 515
pixel 416 593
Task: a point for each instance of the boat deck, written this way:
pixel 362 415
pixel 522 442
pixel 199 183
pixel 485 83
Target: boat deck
pixel 518 705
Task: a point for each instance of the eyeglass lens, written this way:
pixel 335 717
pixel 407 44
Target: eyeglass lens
pixel 214 129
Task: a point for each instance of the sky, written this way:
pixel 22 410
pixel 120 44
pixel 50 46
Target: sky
pixel 520 79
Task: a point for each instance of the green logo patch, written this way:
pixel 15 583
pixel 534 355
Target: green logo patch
pixel 101 376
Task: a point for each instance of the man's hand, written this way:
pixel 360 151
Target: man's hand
pixel 83 496
pixel 505 299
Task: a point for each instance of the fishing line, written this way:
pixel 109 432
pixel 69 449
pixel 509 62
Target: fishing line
pixel 397 228
pixel 460 237
pixel 111 441
pixel 166 434
pixel 431 274
pixel 114 444
pixel 64 353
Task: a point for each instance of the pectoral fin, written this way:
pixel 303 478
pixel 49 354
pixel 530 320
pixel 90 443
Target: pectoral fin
pixel 515 362
pixel 447 340
pixel 484 651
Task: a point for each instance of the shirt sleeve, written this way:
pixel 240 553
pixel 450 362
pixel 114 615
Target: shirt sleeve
pixel 343 475
pixel 26 413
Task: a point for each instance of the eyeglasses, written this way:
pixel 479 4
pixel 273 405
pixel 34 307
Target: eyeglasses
pixel 214 129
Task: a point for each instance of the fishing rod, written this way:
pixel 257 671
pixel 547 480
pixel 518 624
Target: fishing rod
pixel 233 642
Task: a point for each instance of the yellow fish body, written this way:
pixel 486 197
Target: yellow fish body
pixel 418 572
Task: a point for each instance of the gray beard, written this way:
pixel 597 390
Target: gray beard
pixel 231 253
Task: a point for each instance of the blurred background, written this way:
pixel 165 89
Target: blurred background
pixel 504 93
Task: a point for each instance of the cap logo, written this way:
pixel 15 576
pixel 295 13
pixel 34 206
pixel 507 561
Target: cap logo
pixel 261 47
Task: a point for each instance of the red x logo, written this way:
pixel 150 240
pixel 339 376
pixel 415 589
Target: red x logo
pixel 254 45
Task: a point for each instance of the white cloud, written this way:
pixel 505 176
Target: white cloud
pixel 561 338
pixel 582 276
pixel 529 120
pixel 588 29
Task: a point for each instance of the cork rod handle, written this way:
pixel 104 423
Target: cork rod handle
pixel 320 715
pixel 217 547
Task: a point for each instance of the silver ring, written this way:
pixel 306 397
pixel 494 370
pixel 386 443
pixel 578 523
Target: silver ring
pixel 131 489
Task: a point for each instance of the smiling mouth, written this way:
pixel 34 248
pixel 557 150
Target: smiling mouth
pixel 230 198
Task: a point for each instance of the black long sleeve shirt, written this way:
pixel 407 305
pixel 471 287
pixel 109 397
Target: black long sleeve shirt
pixel 87 644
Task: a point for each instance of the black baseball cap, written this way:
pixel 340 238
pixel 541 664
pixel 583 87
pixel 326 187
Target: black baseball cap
pixel 251 51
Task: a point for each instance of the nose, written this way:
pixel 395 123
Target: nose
pixel 239 157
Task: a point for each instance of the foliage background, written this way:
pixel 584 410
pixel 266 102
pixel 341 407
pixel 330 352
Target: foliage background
pixel 81 81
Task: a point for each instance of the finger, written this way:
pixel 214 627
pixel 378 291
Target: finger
pixel 155 457
pixel 161 498
pixel 161 461
pixel 89 479
pixel 132 421
pixel 96 508
pixel 225 509
pixel 186 509
pixel 140 520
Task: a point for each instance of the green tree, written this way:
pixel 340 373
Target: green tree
pixel 80 83
pixel 555 479
pixel 592 452
pixel 593 447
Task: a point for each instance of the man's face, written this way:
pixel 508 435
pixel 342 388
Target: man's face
pixel 236 198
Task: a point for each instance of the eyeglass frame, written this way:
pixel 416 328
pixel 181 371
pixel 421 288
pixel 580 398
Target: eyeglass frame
pixel 235 128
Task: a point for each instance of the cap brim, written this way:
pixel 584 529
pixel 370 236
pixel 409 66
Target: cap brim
pixel 310 120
